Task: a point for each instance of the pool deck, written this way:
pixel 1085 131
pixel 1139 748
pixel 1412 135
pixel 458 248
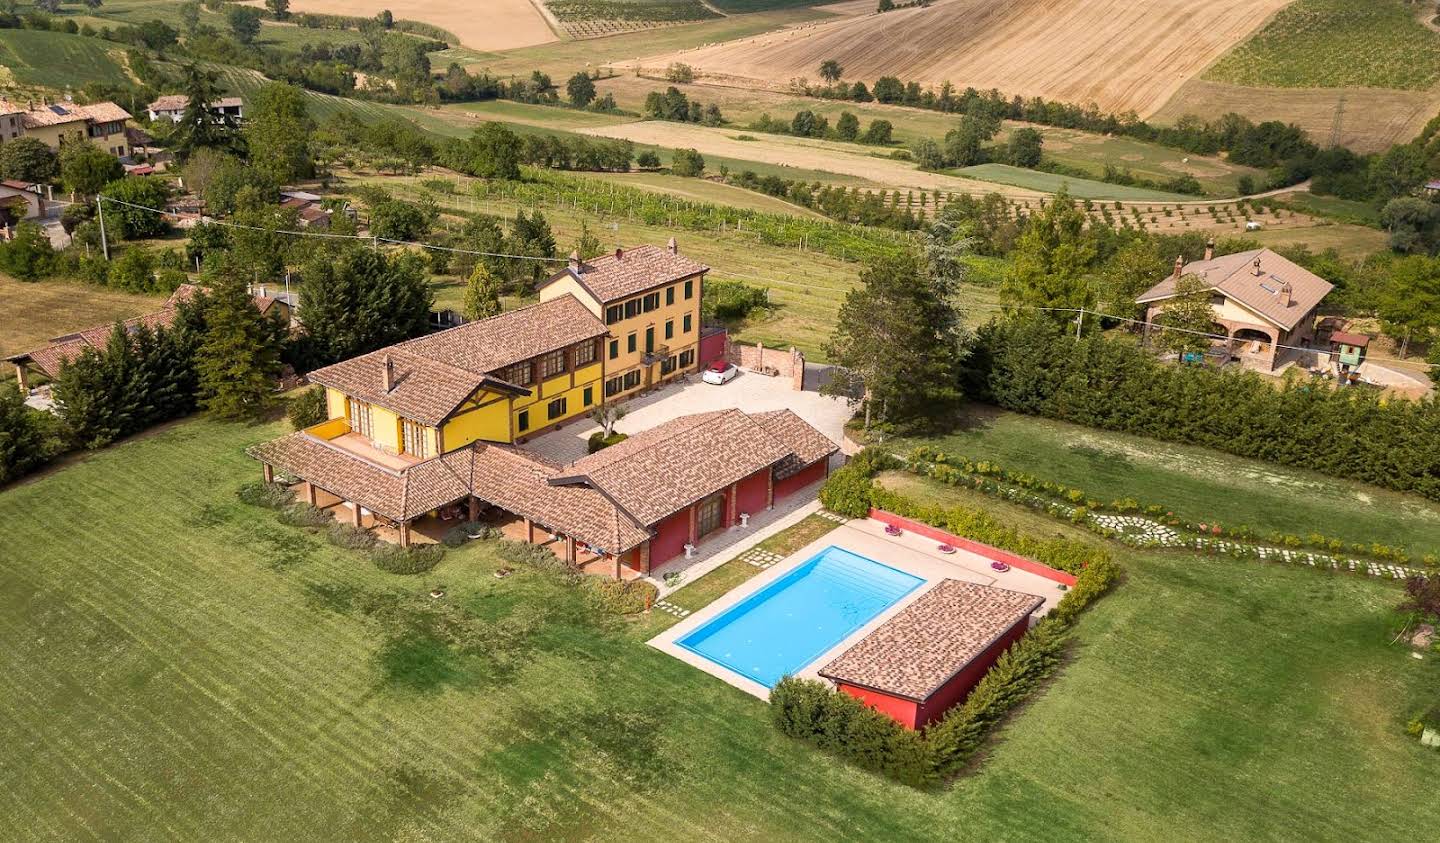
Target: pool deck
pixel 910 553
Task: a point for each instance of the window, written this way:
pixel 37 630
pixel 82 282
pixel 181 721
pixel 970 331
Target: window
pixel 687 358
pixel 552 364
pixel 652 301
pixel 649 339
pixel 614 386
pixel 686 324
pixel 689 288
pixel 632 379
pixel 669 328
pixel 669 295
pixel 632 308
pixel 584 354
pixel 519 374
pixel 630 343
pixel 667 366
pixel 523 422
pixel 413 438
pixel 556 409
pixel 359 413
pixel 614 313
pixel 589 395
pixel 614 349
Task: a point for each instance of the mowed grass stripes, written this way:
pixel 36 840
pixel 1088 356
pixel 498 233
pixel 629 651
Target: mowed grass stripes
pixel 176 665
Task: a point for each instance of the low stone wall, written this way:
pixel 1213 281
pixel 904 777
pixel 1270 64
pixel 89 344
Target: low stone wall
pixel 786 364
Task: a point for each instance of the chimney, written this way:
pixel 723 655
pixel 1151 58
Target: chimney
pixel 388 376
pixel 1179 266
pixel 1285 294
pixel 1258 271
pixel 619 253
pixel 673 247
pixel 575 260
pixel 261 294
pixel 1210 249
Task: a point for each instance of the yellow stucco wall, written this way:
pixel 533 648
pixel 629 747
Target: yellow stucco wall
pixel 568 284
pixel 481 417
pixel 385 429
pixel 334 403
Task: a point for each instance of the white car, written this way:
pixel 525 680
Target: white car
pixel 719 372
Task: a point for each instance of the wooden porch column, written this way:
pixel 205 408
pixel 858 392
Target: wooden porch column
pixel 267 472
pixel 732 505
pixel 309 493
pixel 770 489
pixel 694 525
pixel 645 557
pixel 22 378
pixel 570 549
pixel 529 531
pixel 404 533
pixel 355 513
pixel 474 508
pixel 616 557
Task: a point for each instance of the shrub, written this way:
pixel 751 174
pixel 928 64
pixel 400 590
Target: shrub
pixel 839 723
pixel 456 536
pixel 533 555
pixel 622 598
pixel 599 441
pixel 350 537
pixel 304 515
pixel 308 408
pixel 267 495
pixel 417 559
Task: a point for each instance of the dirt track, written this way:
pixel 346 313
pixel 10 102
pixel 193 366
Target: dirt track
pixel 481 24
pixel 1118 54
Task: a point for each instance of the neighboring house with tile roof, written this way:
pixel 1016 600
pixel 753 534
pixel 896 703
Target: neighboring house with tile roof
pixel 172 107
pixel 1262 302
pixel 649 299
pixel 102 123
pixel 48 358
pixel 928 656
pixel 423 426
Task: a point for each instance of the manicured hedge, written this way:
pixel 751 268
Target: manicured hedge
pixel 1030 366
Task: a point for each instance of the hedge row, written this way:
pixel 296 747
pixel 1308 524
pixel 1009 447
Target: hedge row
pixel 840 724
pixel 851 492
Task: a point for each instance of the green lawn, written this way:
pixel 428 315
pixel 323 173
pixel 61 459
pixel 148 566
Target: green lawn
pixel 57 60
pixel 1196 483
pixel 1337 44
pixel 175 664
pixel 1079 188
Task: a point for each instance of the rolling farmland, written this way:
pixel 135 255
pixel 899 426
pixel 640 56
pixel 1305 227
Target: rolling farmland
pixel 57 60
pixel 1117 54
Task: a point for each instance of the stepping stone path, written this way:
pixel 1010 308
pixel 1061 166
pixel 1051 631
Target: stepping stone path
pixel 760 558
pixel 830 516
pixel 671 608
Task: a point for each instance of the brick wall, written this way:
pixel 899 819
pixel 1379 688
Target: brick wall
pixel 789 364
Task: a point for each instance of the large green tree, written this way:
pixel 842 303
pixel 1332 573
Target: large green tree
pixel 136 211
pixel 28 159
pixel 200 127
pixel 277 132
pixel 244 22
pixel 580 89
pixel 1052 261
pixel 899 344
pixel 1187 318
pixel 482 294
pixel 86 168
pixel 1410 301
pixel 494 152
pixel 28 438
pixel 357 300
pixel 239 359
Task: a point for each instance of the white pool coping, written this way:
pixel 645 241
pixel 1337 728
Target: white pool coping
pixel 909 553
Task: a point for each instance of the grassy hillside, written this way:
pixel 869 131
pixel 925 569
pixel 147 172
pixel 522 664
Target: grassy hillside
pixel 1337 44
pixel 1079 188
pixel 58 60
pixel 176 664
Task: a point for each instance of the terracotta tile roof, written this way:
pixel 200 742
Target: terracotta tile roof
pixel 805 442
pixel 609 277
pixel 666 468
pixel 435 373
pixel 1357 340
pixel 60 113
pixel 169 102
pixel 926 643
pixel 1234 276
pixel 511 479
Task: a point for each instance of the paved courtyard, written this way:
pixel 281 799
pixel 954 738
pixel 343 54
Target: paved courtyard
pixel 750 392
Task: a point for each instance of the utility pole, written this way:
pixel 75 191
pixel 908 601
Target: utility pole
pixel 104 243
pixel 1079 324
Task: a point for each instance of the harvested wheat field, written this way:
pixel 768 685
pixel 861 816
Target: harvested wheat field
pixel 1370 119
pixel 1118 54
pixel 481 24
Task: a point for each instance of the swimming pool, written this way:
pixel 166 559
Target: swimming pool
pixel 792 621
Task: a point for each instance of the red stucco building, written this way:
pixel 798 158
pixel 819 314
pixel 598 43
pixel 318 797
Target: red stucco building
pixel 929 655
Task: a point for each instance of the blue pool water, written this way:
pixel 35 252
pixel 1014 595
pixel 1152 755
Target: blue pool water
pixel 792 621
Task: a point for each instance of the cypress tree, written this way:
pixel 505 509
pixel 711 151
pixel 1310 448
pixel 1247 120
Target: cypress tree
pixel 239 359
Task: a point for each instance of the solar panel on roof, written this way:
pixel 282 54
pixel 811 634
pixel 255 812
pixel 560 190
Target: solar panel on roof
pixel 59 109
